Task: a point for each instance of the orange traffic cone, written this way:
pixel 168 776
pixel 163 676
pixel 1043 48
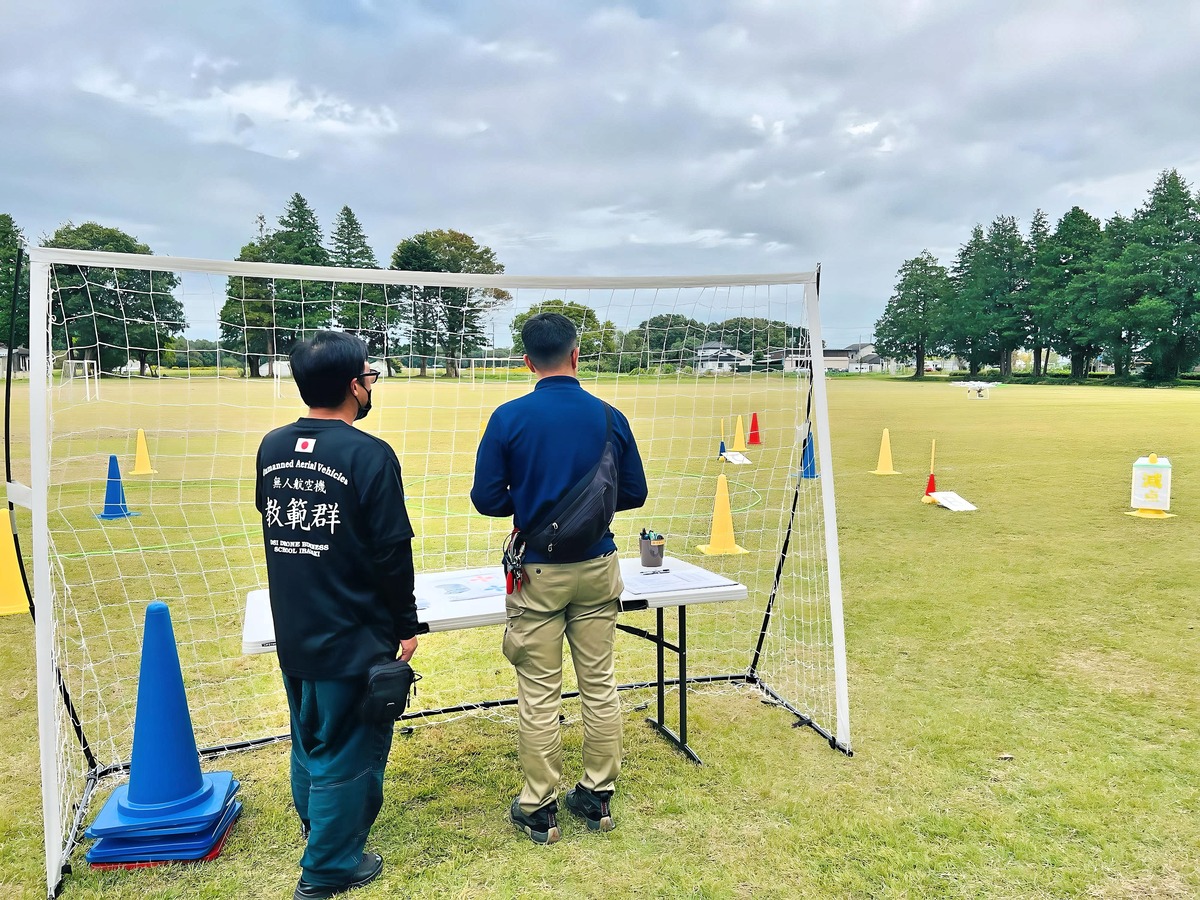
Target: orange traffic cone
pixel 931 486
pixel 754 438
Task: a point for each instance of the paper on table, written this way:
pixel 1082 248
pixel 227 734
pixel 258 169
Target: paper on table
pixel 458 586
pixel 675 575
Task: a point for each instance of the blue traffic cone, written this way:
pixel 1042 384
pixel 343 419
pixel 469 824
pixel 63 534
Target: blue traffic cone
pixel 808 462
pixel 114 494
pixel 166 790
pixel 721 452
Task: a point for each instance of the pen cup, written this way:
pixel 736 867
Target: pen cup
pixel 652 552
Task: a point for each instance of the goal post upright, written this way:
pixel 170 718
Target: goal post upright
pixel 43 598
pixel 833 560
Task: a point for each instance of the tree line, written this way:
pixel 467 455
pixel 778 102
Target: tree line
pixel 99 313
pixel 1125 292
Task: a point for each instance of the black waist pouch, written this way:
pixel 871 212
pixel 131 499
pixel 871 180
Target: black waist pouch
pixel 389 685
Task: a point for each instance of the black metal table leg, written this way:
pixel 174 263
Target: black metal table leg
pixel 659 724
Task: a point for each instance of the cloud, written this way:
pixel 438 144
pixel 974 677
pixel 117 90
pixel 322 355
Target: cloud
pixel 615 137
pixel 276 117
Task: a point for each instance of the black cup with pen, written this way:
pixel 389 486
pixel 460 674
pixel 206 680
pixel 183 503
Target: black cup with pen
pixel 652 544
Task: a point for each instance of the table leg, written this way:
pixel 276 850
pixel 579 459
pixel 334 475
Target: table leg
pixel 660 724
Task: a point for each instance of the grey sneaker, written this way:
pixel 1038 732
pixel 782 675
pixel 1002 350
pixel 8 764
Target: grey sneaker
pixel 592 807
pixel 541 825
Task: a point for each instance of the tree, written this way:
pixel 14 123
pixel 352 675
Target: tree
pixel 909 324
pixel 445 321
pixel 1115 325
pixel 112 315
pixel 265 316
pixel 248 315
pixel 301 307
pixel 597 341
pixel 670 338
pixel 1069 288
pixel 10 242
pixel 360 309
pixel 755 336
pixel 1007 266
pixel 196 353
pixel 1160 270
pixel 1041 275
pixel 966 326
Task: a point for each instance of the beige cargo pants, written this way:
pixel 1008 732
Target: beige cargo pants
pixel 578 600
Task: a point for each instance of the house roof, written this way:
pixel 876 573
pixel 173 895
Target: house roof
pixel 714 345
pixel 870 359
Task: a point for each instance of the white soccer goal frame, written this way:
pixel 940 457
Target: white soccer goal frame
pixel 89 371
pixel 36 496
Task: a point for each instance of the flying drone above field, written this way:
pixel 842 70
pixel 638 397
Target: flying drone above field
pixel 979 389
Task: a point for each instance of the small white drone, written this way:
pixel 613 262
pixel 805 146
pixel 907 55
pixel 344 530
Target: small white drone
pixel 977 390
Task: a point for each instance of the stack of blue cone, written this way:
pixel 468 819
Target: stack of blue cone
pixel 169 811
pixel 808 461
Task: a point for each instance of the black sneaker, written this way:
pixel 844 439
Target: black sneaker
pixel 368 870
pixel 541 825
pixel 592 807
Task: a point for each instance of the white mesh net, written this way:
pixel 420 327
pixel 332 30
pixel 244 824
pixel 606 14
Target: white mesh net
pixel 196 360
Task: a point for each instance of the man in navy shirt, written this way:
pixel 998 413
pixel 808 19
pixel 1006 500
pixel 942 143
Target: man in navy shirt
pixel 340 569
pixel 534 450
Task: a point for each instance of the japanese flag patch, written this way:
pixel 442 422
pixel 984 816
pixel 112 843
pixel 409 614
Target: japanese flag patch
pixel 305 445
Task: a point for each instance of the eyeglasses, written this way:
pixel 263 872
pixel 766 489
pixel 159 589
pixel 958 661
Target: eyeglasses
pixel 367 377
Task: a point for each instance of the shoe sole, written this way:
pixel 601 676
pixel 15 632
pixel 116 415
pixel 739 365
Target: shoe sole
pixel 538 837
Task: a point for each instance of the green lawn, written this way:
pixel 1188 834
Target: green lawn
pixel 1024 680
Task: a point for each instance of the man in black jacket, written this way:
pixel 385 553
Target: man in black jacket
pixel 340 568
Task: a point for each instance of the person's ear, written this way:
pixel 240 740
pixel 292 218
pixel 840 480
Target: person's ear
pixel 529 363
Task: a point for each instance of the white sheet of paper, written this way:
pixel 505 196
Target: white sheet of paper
pixel 674 575
pixel 736 458
pixel 952 501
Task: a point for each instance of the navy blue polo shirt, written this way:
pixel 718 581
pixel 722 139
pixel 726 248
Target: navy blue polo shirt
pixel 537 447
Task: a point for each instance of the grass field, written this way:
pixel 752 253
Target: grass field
pixel 1024 698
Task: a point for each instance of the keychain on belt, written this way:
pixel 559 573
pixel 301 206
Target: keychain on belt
pixel 513 560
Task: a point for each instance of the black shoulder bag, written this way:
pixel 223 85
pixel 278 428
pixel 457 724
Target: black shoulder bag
pixel 388 687
pixel 581 517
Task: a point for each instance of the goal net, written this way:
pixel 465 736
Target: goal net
pixel 193 356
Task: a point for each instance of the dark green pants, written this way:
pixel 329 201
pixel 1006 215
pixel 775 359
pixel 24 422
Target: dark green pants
pixel 337 774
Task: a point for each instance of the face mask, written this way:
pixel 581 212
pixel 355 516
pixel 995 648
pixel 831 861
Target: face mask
pixel 363 410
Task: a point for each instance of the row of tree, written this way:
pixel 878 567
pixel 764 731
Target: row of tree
pixel 1125 292
pixel 117 315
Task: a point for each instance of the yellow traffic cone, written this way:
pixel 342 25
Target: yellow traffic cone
pixel 722 429
pixel 12 589
pixel 884 466
pixel 739 438
pixel 720 540
pixel 141 462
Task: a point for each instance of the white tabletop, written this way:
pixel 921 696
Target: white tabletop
pixel 471 598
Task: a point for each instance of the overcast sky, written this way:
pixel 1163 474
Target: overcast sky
pixel 575 138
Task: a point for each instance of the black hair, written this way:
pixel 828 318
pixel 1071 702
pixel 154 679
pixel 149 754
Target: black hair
pixel 549 339
pixel 323 366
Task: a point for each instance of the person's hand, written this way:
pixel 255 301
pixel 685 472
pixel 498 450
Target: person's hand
pixel 408 648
